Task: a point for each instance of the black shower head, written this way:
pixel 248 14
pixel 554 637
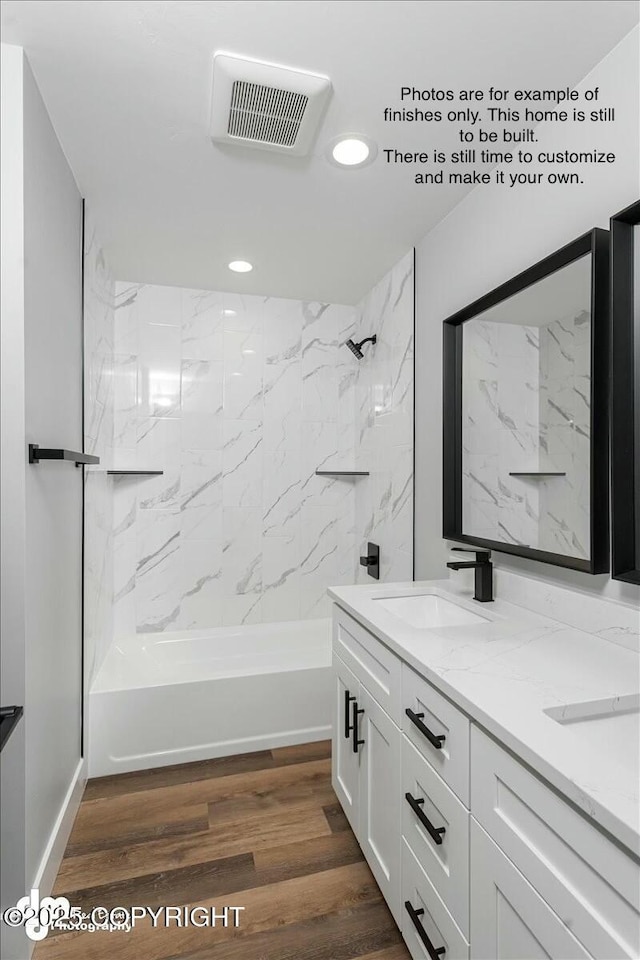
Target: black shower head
pixel 356 348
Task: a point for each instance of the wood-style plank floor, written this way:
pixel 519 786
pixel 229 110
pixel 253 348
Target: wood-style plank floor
pixel 263 831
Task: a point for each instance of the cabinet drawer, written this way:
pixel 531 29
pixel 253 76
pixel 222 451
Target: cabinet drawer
pixel 434 920
pixel 446 863
pixel 441 719
pixel 373 664
pixel 592 885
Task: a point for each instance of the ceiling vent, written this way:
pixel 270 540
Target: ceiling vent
pixel 262 105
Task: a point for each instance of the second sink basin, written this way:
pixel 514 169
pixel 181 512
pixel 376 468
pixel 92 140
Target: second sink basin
pixel 428 610
pixel 610 726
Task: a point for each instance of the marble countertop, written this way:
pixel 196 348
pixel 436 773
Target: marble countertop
pixel 505 672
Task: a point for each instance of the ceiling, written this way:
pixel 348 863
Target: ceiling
pixel 128 86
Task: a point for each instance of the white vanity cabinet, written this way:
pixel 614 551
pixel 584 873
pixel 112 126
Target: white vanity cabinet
pixel 366 749
pixel 379 828
pixel 477 857
pixel 590 888
pixel 435 822
pixel 345 763
pixel 509 920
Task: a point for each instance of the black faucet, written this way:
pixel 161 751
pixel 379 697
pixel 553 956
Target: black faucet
pixel 484 572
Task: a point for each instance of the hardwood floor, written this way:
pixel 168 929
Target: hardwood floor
pixel 263 831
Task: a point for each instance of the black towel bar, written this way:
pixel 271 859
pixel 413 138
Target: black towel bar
pixel 38 453
pixel 9 716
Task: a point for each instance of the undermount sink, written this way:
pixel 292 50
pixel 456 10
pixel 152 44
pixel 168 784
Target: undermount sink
pixel 611 725
pixel 428 610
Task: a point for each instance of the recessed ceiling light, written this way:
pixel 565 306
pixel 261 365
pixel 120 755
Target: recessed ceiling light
pixel 240 266
pixel 352 150
pixel 229 313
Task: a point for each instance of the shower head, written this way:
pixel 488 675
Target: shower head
pixel 356 348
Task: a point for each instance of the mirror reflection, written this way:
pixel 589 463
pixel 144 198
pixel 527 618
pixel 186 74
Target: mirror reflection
pixel 526 415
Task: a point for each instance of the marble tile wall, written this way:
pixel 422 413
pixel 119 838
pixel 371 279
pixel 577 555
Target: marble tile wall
pixel 565 434
pixel 500 428
pixel 99 293
pixel 384 423
pixel 238 400
pixel 526 405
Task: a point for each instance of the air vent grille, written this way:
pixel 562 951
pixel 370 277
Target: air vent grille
pixel 265 106
pixel 265 114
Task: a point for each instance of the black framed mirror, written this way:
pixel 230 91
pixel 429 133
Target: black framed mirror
pixel 526 373
pixel 625 394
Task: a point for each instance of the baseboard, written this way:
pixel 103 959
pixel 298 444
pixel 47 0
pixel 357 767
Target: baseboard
pixel 56 845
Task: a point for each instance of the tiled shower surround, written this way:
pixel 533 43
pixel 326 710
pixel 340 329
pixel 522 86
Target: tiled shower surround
pixel 384 423
pixel 565 434
pixel 526 406
pixel 239 400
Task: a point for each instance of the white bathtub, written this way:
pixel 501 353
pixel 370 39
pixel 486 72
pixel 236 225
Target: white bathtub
pixel 175 697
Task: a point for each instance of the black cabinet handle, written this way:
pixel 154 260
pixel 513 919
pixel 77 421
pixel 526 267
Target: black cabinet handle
pixel 436 833
pixel 354 728
pixel 415 915
pixel 347 726
pixel 436 740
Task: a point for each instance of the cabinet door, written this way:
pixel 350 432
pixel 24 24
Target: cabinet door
pixel 509 920
pixel 380 806
pixel 345 764
pixel 591 883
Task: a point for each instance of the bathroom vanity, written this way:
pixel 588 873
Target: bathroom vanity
pixel 487 760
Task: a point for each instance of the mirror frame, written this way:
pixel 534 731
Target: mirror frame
pixel 596 242
pixel 624 502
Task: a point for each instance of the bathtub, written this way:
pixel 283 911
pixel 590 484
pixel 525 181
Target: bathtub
pixel 166 698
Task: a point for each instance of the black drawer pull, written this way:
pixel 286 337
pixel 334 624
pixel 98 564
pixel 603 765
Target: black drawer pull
pixel 436 833
pixel 415 915
pixel 354 727
pixel 347 726
pixel 436 740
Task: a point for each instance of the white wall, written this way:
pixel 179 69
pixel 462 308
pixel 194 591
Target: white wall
pixel 53 418
pixel 493 234
pixel 12 492
pixel 42 403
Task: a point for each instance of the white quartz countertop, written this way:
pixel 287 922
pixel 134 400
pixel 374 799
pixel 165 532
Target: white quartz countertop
pixel 506 671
